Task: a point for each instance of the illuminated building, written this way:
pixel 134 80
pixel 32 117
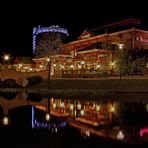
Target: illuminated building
pixel 92 54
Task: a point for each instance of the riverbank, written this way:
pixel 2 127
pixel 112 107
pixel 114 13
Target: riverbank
pixel 114 85
pixel 135 89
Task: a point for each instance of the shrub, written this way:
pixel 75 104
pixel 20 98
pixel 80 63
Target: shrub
pixel 34 79
pixel 9 83
pixel 1 112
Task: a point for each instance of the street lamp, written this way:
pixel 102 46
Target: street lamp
pixel 120 46
pixel 6 57
pixel 112 66
pixel 49 68
pixel 5 120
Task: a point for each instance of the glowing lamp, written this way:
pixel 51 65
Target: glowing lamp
pixel 97 107
pixel 79 106
pixel 71 106
pixel 62 105
pixel 82 112
pixel 47 117
pixel 87 133
pixel 54 105
pixel 112 109
pixel 120 135
pixel 5 120
pixel 6 57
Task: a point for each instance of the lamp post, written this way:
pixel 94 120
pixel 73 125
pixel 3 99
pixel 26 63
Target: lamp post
pixel 49 68
pixel 6 58
pixel 120 48
pixel 112 68
pixel 82 69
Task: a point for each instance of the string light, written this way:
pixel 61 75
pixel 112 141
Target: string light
pixel 53 28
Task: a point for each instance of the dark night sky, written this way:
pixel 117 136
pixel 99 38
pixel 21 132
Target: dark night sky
pixel 17 20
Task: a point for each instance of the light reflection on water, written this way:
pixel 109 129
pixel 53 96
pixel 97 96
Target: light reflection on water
pixel 120 120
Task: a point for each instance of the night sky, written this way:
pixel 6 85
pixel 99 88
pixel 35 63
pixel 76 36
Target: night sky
pixel 18 19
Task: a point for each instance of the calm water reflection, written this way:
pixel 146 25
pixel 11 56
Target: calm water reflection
pixel 43 121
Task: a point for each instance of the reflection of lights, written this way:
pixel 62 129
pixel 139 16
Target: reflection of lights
pixel 120 46
pixel 98 66
pixel 51 100
pixel 147 107
pixel 82 62
pixel 5 120
pixel 62 66
pixel 71 66
pixel 47 117
pixel 20 65
pixel 36 124
pixel 82 112
pixel 48 59
pixel 79 106
pixel 71 106
pixel 56 130
pixel 87 133
pixel 143 131
pixel 120 135
pixel 112 109
pixel 54 65
pixel 54 105
pixel 62 105
pixel 79 66
pixel 112 64
pixel 97 107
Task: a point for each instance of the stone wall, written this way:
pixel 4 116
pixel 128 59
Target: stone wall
pixel 7 73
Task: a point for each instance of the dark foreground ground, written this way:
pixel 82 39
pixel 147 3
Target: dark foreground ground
pixel 65 138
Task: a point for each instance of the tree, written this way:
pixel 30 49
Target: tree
pixel 124 61
pixel 48 45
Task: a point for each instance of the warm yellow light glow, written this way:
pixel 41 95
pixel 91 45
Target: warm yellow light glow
pixel 79 66
pixel 47 117
pixel 5 120
pixel 112 64
pixel 82 62
pixel 82 112
pixel 6 57
pixel 98 66
pixel 87 133
pixel 62 105
pixel 79 106
pixel 48 59
pixel 98 107
pixel 71 66
pixel 20 65
pixel 71 106
pixel 120 46
pixel 112 109
pixel 54 105
pixel 120 135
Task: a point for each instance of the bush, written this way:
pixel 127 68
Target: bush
pixel 9 83
pixel 1 112
pixel 34 79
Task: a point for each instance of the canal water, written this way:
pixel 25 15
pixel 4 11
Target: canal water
pixel 33 120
